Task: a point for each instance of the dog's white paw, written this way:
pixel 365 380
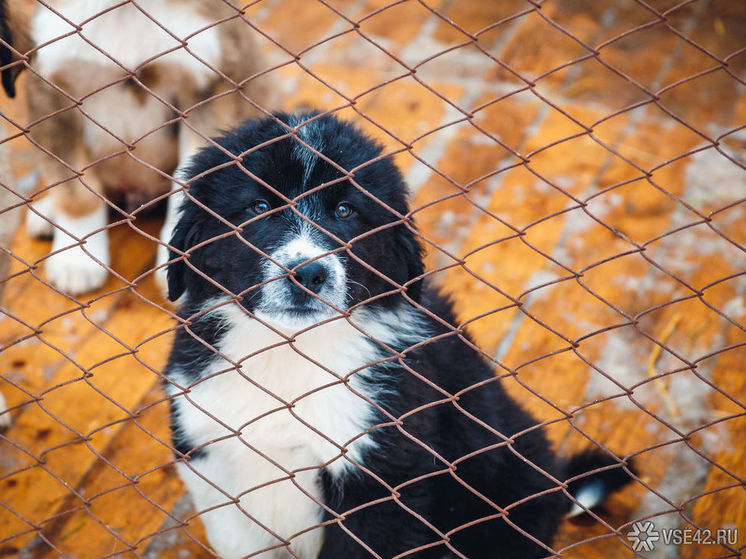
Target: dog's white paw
pixel 73 270
pixel 36 225
pixel 4 414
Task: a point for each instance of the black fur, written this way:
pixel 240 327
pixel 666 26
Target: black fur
pixel 495 447
pixel 6 55
pixel 8 39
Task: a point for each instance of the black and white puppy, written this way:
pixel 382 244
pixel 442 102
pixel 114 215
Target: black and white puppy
pixel 321 402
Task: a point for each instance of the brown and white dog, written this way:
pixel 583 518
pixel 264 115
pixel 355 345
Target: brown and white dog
pixel 120 95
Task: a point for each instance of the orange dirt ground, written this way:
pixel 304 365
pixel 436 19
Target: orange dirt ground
pixel 617 231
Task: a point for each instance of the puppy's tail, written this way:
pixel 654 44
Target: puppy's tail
pixel 598 475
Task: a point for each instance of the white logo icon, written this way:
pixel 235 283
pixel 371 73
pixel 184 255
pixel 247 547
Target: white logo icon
pixel 643 536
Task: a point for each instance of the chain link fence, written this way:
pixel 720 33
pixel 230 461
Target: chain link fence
pixel 576 179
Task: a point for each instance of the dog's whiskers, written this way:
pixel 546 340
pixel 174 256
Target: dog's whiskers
pixel 370 295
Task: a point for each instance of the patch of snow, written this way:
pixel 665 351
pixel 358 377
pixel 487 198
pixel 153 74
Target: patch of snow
pixel 540 277
pixel 712 179
pixel 623 360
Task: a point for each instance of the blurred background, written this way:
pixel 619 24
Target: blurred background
pixel 577 173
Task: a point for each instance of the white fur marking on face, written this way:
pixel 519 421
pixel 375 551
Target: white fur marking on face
pixel 126 34
pixel 275 294
pixel 72 270
pixel 265 422
pixel 311 135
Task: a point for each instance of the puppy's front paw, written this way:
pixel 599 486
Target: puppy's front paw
pixel 74 270
pixel 36 225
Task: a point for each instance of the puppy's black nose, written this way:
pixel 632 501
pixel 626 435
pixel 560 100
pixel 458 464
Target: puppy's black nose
pixel 312 276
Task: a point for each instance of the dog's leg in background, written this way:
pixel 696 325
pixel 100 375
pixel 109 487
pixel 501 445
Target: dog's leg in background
pixel 81 236
pixel 72 211
pixel 39 220
pixel 76 217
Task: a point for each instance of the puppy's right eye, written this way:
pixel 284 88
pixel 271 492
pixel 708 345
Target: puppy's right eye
pixel 260 206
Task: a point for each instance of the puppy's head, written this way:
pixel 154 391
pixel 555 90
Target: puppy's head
pixel 301 220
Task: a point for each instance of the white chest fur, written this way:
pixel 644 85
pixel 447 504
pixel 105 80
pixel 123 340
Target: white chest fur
pixel 271 423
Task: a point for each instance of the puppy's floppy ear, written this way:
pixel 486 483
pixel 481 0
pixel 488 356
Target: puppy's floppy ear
pixel 183 238
pixel 15 38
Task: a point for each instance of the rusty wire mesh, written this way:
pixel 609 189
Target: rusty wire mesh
pixel 577 180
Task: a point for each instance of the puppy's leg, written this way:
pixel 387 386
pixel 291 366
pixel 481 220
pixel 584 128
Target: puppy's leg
pixel 225 524
pixel 231 533
pixel 80 244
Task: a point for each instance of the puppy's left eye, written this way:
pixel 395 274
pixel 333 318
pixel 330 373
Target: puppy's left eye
pixel 260 206
pixel 343 210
